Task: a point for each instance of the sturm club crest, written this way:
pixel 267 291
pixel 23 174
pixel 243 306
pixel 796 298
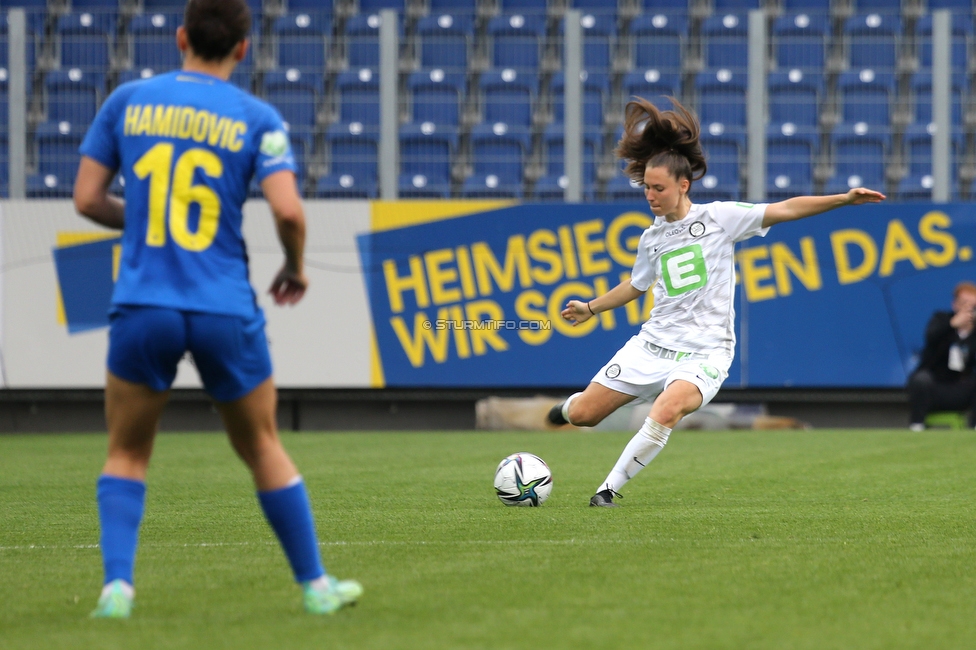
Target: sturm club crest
pixel 613 371
pixel 697 229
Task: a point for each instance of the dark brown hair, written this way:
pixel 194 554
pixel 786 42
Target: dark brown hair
pixel 656 138
pixel 214 27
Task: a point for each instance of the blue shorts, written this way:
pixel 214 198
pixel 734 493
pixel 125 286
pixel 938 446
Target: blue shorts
pixel 229 352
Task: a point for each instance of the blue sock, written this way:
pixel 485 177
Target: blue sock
pixel 120 505
pixel 290 515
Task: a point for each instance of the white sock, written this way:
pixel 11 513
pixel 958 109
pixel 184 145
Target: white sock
pixel 127 589
pixel 640 451
pixel 322 582
pixel 565 408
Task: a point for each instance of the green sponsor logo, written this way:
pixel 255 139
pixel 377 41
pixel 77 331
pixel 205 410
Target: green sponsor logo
pixel 274 143
pixel 709 370
pixel 683 270
pixel 745 205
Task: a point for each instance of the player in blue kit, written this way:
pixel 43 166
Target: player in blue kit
pixel 187 144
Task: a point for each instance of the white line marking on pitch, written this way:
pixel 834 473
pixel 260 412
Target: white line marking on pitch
pixel 381 542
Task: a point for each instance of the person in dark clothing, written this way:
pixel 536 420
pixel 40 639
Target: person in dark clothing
pixel 944 379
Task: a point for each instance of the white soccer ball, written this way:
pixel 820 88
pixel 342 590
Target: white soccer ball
pixel 523 479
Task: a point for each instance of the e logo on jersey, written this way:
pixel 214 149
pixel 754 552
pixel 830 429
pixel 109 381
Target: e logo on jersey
pixel 683 270
pixel 274 143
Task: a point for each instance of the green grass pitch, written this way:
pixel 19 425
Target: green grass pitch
pixel 824 539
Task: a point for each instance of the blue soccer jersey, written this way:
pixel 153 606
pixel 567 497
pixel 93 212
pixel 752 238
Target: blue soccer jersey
pixel 187 146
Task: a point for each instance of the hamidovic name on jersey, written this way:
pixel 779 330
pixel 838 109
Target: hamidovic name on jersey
pixel 187 146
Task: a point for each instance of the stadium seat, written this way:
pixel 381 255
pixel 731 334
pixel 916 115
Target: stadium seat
pixel 466 8
pixel 363 40
pixel 858 152
pixel 301 41
pixel 426 151
pixel 551 187
pixel 722 98
pixel 352 154
pixel 73 95
pixel 873 41
pixel 726 37
pixel 295 95
pixel 808 6
pixel 444 41
pixel 435 96
pixel 34 35
pixel 921 86
pixel 300 139
pixel 721 182
pixel 599 29
pixel 789 161
pixel 652 85
pixel 659 40
pixel 516 41
pixel 298 6
pixel 508 96
pixel 57 158
pixel 955 5
pixel 377 5
pixel 527 7
pixel 154 41
pixel 889 7
pixel 85 40
pixel 621 188
pixel 794 96
pixel 865 96
pixel 961 27
pixel 497 155
pixel 800 41
pixel 595 89
pixel 918 149
pixel 359 97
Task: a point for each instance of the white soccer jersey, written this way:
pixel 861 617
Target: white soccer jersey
pixel 690 265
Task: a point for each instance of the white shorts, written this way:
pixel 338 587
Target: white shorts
pixel 636 370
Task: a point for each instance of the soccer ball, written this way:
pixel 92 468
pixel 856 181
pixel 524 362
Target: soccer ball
pixel 523 479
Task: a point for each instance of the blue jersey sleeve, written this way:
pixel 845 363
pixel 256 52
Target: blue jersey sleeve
pixel 274 148
pixel 100 142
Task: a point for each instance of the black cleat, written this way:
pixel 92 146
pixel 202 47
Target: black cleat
pixel 555 416
pixel 604 499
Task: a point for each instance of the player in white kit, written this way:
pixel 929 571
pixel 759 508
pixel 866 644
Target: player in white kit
pixel 682 354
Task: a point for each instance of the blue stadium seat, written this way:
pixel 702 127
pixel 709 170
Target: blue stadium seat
pixel 359 97
pixel 858 152
pixel 722 98
pixel 599 30
pixel 444 41
pixel 865 96
pixel 725 5
pixel 800 41
pixel 301 148
pixel 726 38
pixel 873 40
pixel 919 188
pixel 652 85
pixel 918 149
pixel 516 41
pixel 175 5
pixel 508 96
pixel 961 26
pixel 73 95
pixel 297 6
pixel 789 161
pixel 426 151
pixel 497 155
pixel 551 187
pixel 295 95
pixel 301 41
pixel 595 89
pixel 85 40
pixel 377 5
pixel 435 96
pixel 363 40
pixel 960 5
pixel 621 188
pixel 921 85
pixel 34 35
pixel 454 7
pixel 154 41
pixel 352 153
pixel 794 96
pixel 809 6
pixel 659 40
pixel 882 6
pixel 526 7
pixel 57 158
pixel 605 7
pixel 721 182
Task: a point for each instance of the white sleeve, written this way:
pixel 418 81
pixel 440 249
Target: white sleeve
pixel 644 274
pixel 739 220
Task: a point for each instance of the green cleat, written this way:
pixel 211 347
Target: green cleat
pixel 332 597
pixel 115 601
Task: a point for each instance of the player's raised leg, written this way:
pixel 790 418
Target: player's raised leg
pixel 588 408
pixel 678 400
pixel 250 423
pixel 132 413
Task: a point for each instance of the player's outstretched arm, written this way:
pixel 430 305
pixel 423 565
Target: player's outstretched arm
pixel 91 194
pixel 577 311
pixel 281 192
pixel 799 207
